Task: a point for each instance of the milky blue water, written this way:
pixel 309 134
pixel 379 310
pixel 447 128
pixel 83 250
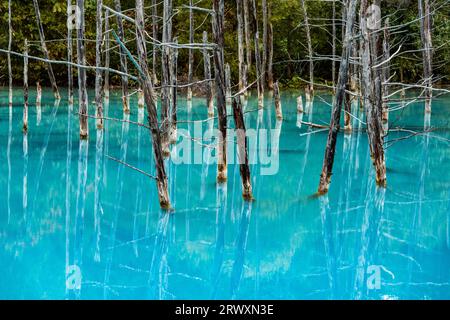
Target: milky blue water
pixel 75 224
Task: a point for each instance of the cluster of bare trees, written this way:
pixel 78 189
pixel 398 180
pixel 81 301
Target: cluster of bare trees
pixel 364 72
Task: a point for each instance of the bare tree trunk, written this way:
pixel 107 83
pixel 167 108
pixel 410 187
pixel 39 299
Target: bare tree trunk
pixel 146 83
pixel 328 160
pixel 107 56
pixel 386 72
pixel 242 149
pixel 240 33
pixel 10 89
pixel 123 58
pixel 427 53
pixel 174 82
pixel 155 28
pixel 228 82
pixel 25 88
pixel 98 64
pixel 310 50
pixel 69 54
pixel 371 90
pixel 348 110
pixel 247 32
pixel 265 38
pixel 191 52
pixel 269 71
pixel 82 91
pixel 166 79
pixel 333 66
pixel 300 104
pixel 207 69
pixel 218 31
pixel 277 99
pixel 258 63
pixel 51 75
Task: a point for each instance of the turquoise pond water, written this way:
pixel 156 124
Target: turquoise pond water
pixel 60 239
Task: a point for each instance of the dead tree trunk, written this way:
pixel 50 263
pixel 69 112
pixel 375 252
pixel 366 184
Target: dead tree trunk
pixel 25 88
pixel 427 52
pixel 155 28
pixel 247 32
pixel 174 83
pixel 348 110
pixel 69 54
pixel 242 149
pixel 107 55
pixel 386 71
pixel 269 70
pixel 310 50
pixel 371 90
pixel 277 99
pixel 218 31
pixel 51 75
pixel 265 39
pixel 258 62
pixel 98 64
pixel 327 169
pixel 207 70
pixel 191 52
pixel 240 33
pixel 166 79
pixel 333 54
pixel 123 58
pixel 10 90
pixel 228 82
pixel 149 94
pixel 82 91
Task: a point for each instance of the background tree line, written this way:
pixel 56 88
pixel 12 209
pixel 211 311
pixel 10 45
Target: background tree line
pixel 289 38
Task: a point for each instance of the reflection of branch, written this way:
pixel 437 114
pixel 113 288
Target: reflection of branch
pixel 131 167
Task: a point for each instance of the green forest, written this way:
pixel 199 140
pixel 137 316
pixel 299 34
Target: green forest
pixel 290 62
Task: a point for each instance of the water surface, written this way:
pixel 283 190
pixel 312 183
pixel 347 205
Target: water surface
pixel 76 225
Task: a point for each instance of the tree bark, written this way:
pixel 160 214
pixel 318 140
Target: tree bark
pixel 123 58
pixel 208 75
pixel 10 77
pixel 310 50
pixel 98 64
pixel 427 53
pixel 149 94
pixel 155 28
pixel 386 72
pixel 333 66
pixel 330 149
pixel 173 76
pixel 269 70
pixel 25 88
pixel 107 56
pixel 69 55
pixel 277 99
pixel 247 32
pixel 240 33
pixel 371 89
pixel 228 82
pixel 166 79
pixel 82 91
pixel 218 31
pixel 242 149
pixel 191 52
pixel 51 75
pixel 258 62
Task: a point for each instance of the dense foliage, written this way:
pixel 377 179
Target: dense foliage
pixel 290 49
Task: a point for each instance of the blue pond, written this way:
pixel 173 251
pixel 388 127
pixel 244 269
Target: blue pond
pixel 75 224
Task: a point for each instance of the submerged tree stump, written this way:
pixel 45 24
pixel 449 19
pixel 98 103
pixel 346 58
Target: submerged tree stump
pixel 277 99
pixel 242 149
